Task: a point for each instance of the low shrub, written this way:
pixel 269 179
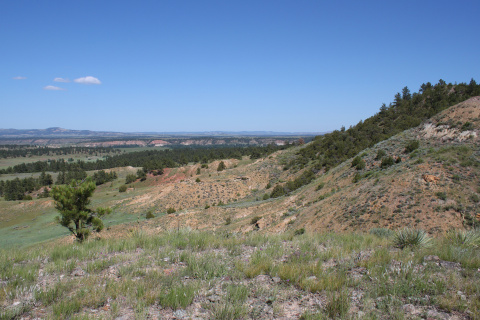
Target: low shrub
pixel 387 162
pixel 358 163
pixel 412 145
pixel 150 215
pixel 255 220
pixel 299 232
pixel 380 154
pixel 382 232
pixel 441 195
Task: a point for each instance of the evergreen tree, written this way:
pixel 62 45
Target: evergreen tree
pixel 221 166
pixel 71 201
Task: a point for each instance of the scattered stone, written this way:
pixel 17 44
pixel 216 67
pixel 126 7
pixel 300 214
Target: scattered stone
pixel 78 272
pixel 431 258
pixel 180 314
pixel 112 272
pixel 450 265
pixel 410 309
pixel 357 273
pixel 214 298
pixel 263 278
pixel 329 264
pixel 437 315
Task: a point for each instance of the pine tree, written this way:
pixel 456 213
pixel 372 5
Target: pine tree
pixel 221 166
pixel 71 201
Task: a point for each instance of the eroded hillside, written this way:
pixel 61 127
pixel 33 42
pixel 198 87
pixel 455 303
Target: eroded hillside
pixel 434 187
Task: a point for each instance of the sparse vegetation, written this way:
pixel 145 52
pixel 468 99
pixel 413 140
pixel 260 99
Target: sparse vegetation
pixel 216 274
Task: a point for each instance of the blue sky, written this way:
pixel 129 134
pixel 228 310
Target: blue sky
pixel 297 66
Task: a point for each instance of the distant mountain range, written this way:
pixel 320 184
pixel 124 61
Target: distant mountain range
pixel 58 132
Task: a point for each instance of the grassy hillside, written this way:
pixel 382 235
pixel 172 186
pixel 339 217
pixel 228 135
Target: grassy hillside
pixel 187 274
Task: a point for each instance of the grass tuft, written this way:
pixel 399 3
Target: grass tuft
pixel 468 238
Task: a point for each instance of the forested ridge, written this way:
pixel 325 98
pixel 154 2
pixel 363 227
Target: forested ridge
pixel 150 160
pixel 406 111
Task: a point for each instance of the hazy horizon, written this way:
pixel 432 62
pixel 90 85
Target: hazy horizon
pixel 224 66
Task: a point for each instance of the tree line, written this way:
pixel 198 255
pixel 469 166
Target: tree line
pixel 406 111
pixel 149 159
pixel 17 151
pixel 19 189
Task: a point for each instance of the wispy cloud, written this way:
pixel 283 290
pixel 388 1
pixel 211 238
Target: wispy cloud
pixel 87 80
pixel 53 88
pixel 19 78
pixel 61 80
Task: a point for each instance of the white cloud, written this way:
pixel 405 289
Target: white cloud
pixel 19 78
pixel 61 80
pixel 52 88
pixel 87 80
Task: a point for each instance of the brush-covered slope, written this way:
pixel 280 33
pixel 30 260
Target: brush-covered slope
pixel 434 187
pixel 431 183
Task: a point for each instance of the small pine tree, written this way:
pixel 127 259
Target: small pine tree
pixel 221 166
pixel 130 178
pixel 278 191
pixel 71 201
pixel 149 215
